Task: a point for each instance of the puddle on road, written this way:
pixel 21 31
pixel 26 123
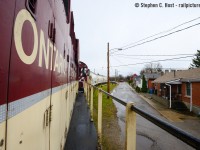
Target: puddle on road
pixel 145 142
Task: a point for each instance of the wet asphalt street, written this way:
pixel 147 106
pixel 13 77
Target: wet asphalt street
pixel 149 136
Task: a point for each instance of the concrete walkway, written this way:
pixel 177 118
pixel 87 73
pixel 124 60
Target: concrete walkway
pixel 82 133
pixel 169 114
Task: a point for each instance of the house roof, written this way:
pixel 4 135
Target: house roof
pixel 152 75
pixel 190 75
pixel 138 78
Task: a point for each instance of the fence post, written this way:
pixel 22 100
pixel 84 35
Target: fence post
pixel 91 104
pixel 100 116
pixel 130 128
pixel 88 96
pixel 87 93
pixel 85 89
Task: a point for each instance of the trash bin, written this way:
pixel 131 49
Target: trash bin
pixel 151 91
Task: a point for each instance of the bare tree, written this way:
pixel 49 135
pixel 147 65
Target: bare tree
pixel 157 67
pixel 151 68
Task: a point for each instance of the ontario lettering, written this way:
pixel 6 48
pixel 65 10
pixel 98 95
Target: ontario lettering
pixel 46 50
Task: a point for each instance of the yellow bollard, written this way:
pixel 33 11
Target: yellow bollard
pixel 87 92
pixel 88 95
pixel 100 116
pixel 130 128
pixel 91 104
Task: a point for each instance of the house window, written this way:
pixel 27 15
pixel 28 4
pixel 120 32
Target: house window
pixel 188 89
pixel 179 89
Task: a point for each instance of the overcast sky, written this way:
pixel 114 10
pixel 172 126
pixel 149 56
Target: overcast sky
pixel 120 23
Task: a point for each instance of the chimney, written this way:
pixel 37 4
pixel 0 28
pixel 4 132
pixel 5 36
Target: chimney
pixel 174 73
pixel 166 71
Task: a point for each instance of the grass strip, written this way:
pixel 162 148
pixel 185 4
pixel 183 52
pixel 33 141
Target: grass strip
pixel 111 131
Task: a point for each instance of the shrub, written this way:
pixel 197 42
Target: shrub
pixel 138 90
pixel 144 85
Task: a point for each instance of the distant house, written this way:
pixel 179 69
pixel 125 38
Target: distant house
pixel 138 81
pixel 181 85
pixel 133 77
pixel 151 77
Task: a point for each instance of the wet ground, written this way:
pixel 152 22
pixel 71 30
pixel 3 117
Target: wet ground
pixel 149 136
pixel 82 133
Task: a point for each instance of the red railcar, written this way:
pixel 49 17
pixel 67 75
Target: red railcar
pixel 38 73
pixel 82 76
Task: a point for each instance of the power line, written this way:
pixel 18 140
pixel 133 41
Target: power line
pixel 125 57
pixel 117 59
pixel 152 61
pixel 181 60
pixel 150 55
pixel 162 32
pixel 144 59
pixel 162 36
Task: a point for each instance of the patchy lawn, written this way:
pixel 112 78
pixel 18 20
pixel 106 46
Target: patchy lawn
pixel 111 130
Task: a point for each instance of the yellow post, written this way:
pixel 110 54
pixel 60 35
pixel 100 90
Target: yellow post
pixel 100 116
pixel 91 104
pixel 108 70
pixel 130 128
pixel 85 89
pixel 88 95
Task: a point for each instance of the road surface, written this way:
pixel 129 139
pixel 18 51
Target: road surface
pixel 149 136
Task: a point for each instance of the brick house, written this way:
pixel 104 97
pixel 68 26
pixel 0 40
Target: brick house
pixel 181 85
pixel 150 77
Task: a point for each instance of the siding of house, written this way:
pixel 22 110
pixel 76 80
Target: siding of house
pixel 195 94
pixel 185 98
pixel 165 91
pixel 174 89
pixel 150 84
pixel 158 89
pixel 139 83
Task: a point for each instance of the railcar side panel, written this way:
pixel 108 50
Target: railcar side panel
pixel 30 77
pixel 6 14
pixel 37 73
pixel 58 100
pixel 31 59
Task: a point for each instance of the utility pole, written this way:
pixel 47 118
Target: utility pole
pixel 108 70
pixel 115 74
